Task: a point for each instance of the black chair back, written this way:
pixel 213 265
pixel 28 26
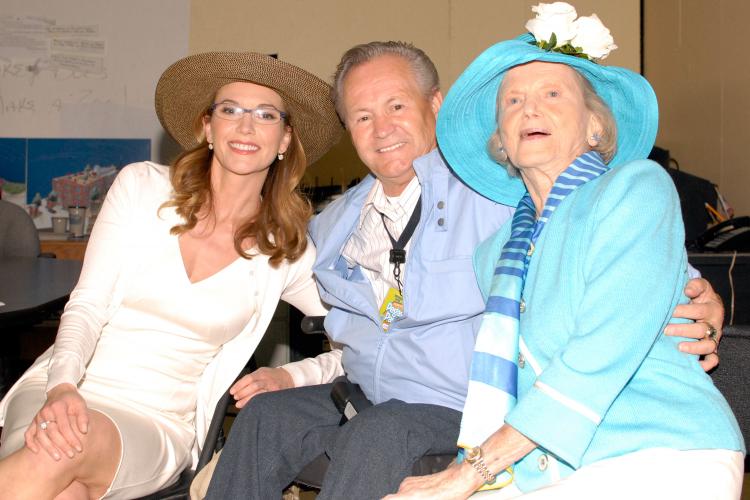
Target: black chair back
pixel 732 376
pixel 18 235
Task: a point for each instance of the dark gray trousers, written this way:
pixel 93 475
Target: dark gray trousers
pixel 278 433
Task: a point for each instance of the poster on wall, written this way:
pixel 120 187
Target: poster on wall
pixel 48 177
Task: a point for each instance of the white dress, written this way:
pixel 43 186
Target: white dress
pixel 143 343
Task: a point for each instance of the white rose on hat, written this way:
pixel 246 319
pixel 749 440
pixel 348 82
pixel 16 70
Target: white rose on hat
pixel 554 18
pixel 593 37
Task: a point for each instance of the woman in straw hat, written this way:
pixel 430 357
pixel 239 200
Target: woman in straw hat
pixel 574 391
pixel 183 272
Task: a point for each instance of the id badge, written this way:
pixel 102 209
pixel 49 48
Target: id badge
pixel 392 308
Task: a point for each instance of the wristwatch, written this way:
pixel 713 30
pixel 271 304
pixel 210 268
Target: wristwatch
pixel 474 457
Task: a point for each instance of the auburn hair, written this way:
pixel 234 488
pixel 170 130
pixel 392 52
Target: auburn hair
pixel 279 228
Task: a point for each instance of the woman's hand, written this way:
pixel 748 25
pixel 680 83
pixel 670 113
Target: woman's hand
pixel 502 449
pixel 705 308
pixel 56 427
pixel 261 380
pixel 457 481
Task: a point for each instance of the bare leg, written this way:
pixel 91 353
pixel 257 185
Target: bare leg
pixel 27 475
pixel 76 491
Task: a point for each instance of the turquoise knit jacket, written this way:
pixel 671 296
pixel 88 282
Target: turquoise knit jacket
pixel 598 378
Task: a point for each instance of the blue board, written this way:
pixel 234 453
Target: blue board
pixel 36 162
pixel 13 160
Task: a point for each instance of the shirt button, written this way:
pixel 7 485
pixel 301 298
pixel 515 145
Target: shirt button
pixel 441 221
pixel 530 252
pixel 543 462
pixel 521 361
pixel 441 204
pixel 522 307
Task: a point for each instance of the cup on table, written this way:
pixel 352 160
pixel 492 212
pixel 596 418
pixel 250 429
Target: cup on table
pixel 59 224
pixel 76 215
pixel 94 209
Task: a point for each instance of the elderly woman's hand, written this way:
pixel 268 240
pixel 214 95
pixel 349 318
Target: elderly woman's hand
pixel 706 309
pixel 57 424
pixel 261 380
pixel 455 482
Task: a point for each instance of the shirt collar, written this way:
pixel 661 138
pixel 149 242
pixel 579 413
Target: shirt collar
pixel 393 207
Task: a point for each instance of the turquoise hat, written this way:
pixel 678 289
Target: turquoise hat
pixel 467 117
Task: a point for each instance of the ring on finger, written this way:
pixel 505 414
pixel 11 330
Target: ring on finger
pixel 716 345
pixel 45 424
pixel 712 333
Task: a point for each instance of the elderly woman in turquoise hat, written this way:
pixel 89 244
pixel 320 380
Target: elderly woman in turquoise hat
pixel 575 392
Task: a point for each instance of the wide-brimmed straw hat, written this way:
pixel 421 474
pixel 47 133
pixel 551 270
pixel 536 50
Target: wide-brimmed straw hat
pixel 467 117
pixel 187 87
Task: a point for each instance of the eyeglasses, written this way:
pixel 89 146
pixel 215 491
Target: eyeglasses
pixel 263 115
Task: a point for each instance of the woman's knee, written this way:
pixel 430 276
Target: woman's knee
pixel 76 491
pixel 101 428
pixel 102 444
pixel 100 450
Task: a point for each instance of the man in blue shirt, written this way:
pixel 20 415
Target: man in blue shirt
pixel 414 367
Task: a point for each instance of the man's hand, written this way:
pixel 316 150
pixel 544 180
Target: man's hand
pixel 261 380
pixel 705 308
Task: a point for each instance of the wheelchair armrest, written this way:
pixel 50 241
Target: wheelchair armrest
pixel 215 436
pixel 348 398
pixel 313 325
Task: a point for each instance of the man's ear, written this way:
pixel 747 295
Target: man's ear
pixel 436 101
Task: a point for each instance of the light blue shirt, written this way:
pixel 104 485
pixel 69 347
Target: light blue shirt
pixel 425 356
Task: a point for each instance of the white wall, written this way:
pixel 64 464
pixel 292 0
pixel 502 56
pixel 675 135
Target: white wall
pixel 314 34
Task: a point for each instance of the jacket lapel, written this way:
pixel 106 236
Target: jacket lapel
pixel 341 286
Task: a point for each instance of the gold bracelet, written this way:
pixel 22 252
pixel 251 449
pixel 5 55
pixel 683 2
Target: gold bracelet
pixel 474 457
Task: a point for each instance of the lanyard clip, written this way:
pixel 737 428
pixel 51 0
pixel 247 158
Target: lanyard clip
pixel 397 256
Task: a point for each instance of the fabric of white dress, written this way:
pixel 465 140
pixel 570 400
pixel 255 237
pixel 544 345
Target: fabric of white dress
pixel 148 348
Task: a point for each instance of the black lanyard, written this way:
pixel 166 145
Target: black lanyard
pixel 398 252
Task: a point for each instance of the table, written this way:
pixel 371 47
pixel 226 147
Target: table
pixel 62 246
pixel 31 288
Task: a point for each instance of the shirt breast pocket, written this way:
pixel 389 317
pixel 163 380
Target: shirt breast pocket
pixel 461 264
pixel 447 290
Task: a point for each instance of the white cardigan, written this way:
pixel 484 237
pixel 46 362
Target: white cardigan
pixel 127 230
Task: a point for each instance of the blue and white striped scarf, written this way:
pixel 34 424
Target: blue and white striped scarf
pixel 494 366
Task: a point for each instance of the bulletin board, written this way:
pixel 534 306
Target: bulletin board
pixel 87 68
pixel 77 81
